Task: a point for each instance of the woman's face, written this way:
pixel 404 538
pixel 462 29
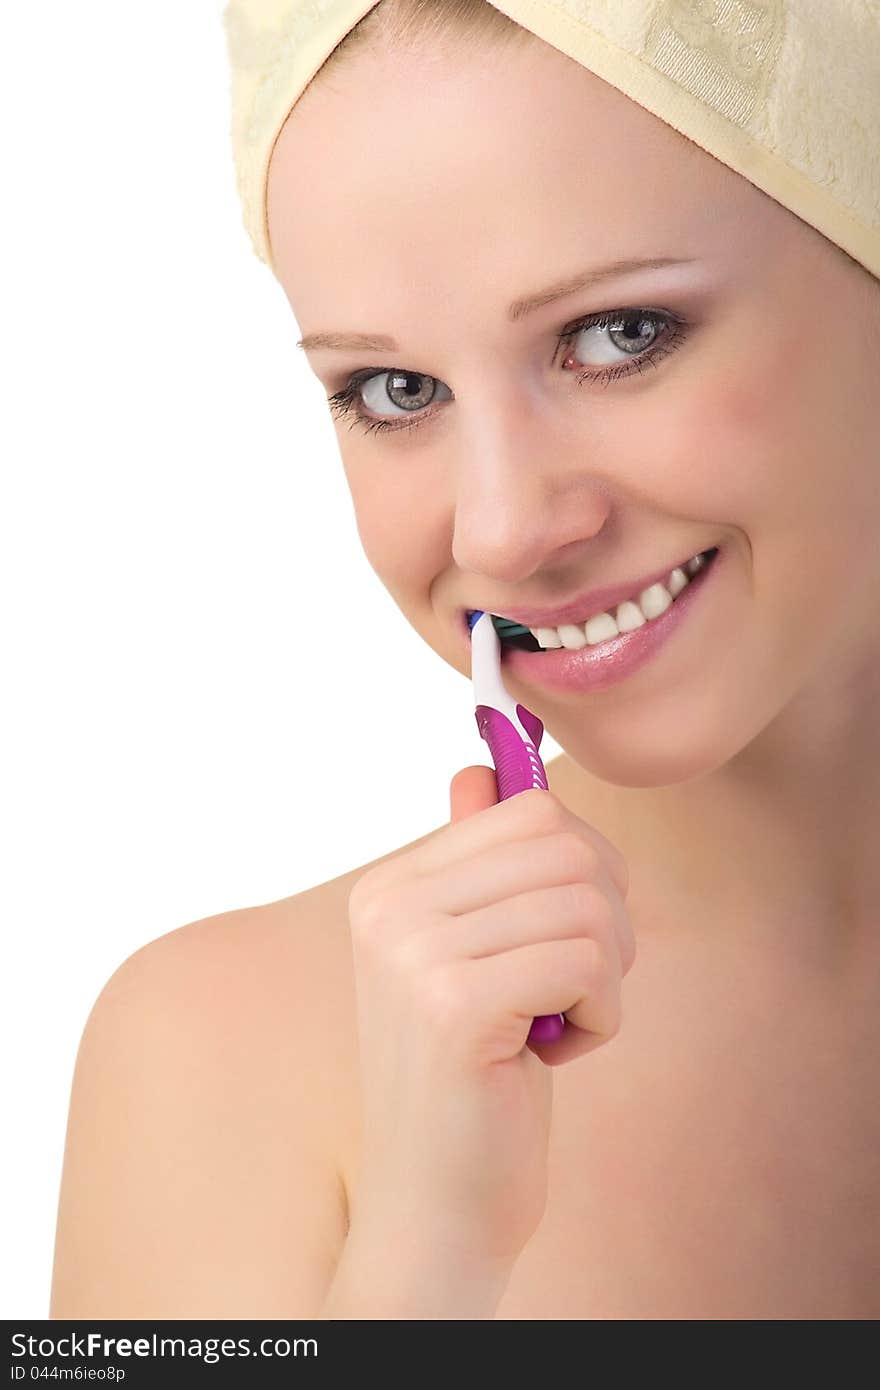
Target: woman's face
pixel 418 197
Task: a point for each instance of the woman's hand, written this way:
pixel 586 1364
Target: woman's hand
pixel 514 909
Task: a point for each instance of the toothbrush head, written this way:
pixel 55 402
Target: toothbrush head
pixel 507 631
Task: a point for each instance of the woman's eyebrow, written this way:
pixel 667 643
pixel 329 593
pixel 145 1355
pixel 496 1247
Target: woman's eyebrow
pixel 380 342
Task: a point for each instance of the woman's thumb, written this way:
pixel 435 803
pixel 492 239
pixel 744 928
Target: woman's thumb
pixel 471 790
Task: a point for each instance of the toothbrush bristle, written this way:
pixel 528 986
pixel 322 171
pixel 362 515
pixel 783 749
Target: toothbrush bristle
pixel 509 633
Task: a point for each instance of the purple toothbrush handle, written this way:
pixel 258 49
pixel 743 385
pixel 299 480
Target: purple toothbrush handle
pixel 518 768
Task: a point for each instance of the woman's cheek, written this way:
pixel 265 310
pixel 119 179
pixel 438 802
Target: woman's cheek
pixel 747 409
pixel 707 455
pixel 397 529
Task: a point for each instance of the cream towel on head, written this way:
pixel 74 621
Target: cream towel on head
pixel 785 92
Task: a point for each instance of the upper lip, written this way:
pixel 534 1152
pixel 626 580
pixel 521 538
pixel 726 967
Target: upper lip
pixel 592 601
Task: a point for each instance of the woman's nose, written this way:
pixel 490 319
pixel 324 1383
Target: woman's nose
pixel 521 498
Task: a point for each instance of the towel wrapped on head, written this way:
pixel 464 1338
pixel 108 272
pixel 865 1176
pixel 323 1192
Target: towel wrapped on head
pixel 784 92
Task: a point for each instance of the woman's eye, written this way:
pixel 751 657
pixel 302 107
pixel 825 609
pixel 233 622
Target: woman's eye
pixel 629 334
pixel 402 392
pixel 610 344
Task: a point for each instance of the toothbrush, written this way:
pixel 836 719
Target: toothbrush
pixel 514 736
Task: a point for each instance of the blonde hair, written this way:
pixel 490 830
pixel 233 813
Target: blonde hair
pixel 402 23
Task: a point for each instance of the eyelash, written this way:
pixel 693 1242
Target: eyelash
pixel 345 401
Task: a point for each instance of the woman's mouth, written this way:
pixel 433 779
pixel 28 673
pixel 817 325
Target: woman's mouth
pixel 607 646
pixel 627 616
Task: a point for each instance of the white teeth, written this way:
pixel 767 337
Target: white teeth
pixel 600 628
pixel 629 615
pixel 572 637
pixel 677 581
pixel 654 600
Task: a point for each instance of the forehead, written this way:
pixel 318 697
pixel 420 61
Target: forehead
pixel 420 166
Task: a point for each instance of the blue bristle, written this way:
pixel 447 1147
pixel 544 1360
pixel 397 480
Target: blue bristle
pixel 505 627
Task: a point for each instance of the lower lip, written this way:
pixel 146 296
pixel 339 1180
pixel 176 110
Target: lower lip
pixel 596 668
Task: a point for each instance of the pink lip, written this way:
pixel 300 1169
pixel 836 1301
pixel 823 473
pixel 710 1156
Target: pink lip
pixel 606 663
pixel 592 601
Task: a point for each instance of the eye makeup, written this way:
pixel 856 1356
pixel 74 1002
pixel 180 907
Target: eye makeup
pixel 671 334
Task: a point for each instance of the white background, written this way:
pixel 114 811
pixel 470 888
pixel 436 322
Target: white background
pixel 180 736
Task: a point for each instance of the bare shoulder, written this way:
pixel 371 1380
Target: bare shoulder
pixel 212 1115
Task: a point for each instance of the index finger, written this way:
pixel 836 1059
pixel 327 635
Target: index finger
pixel 520 817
